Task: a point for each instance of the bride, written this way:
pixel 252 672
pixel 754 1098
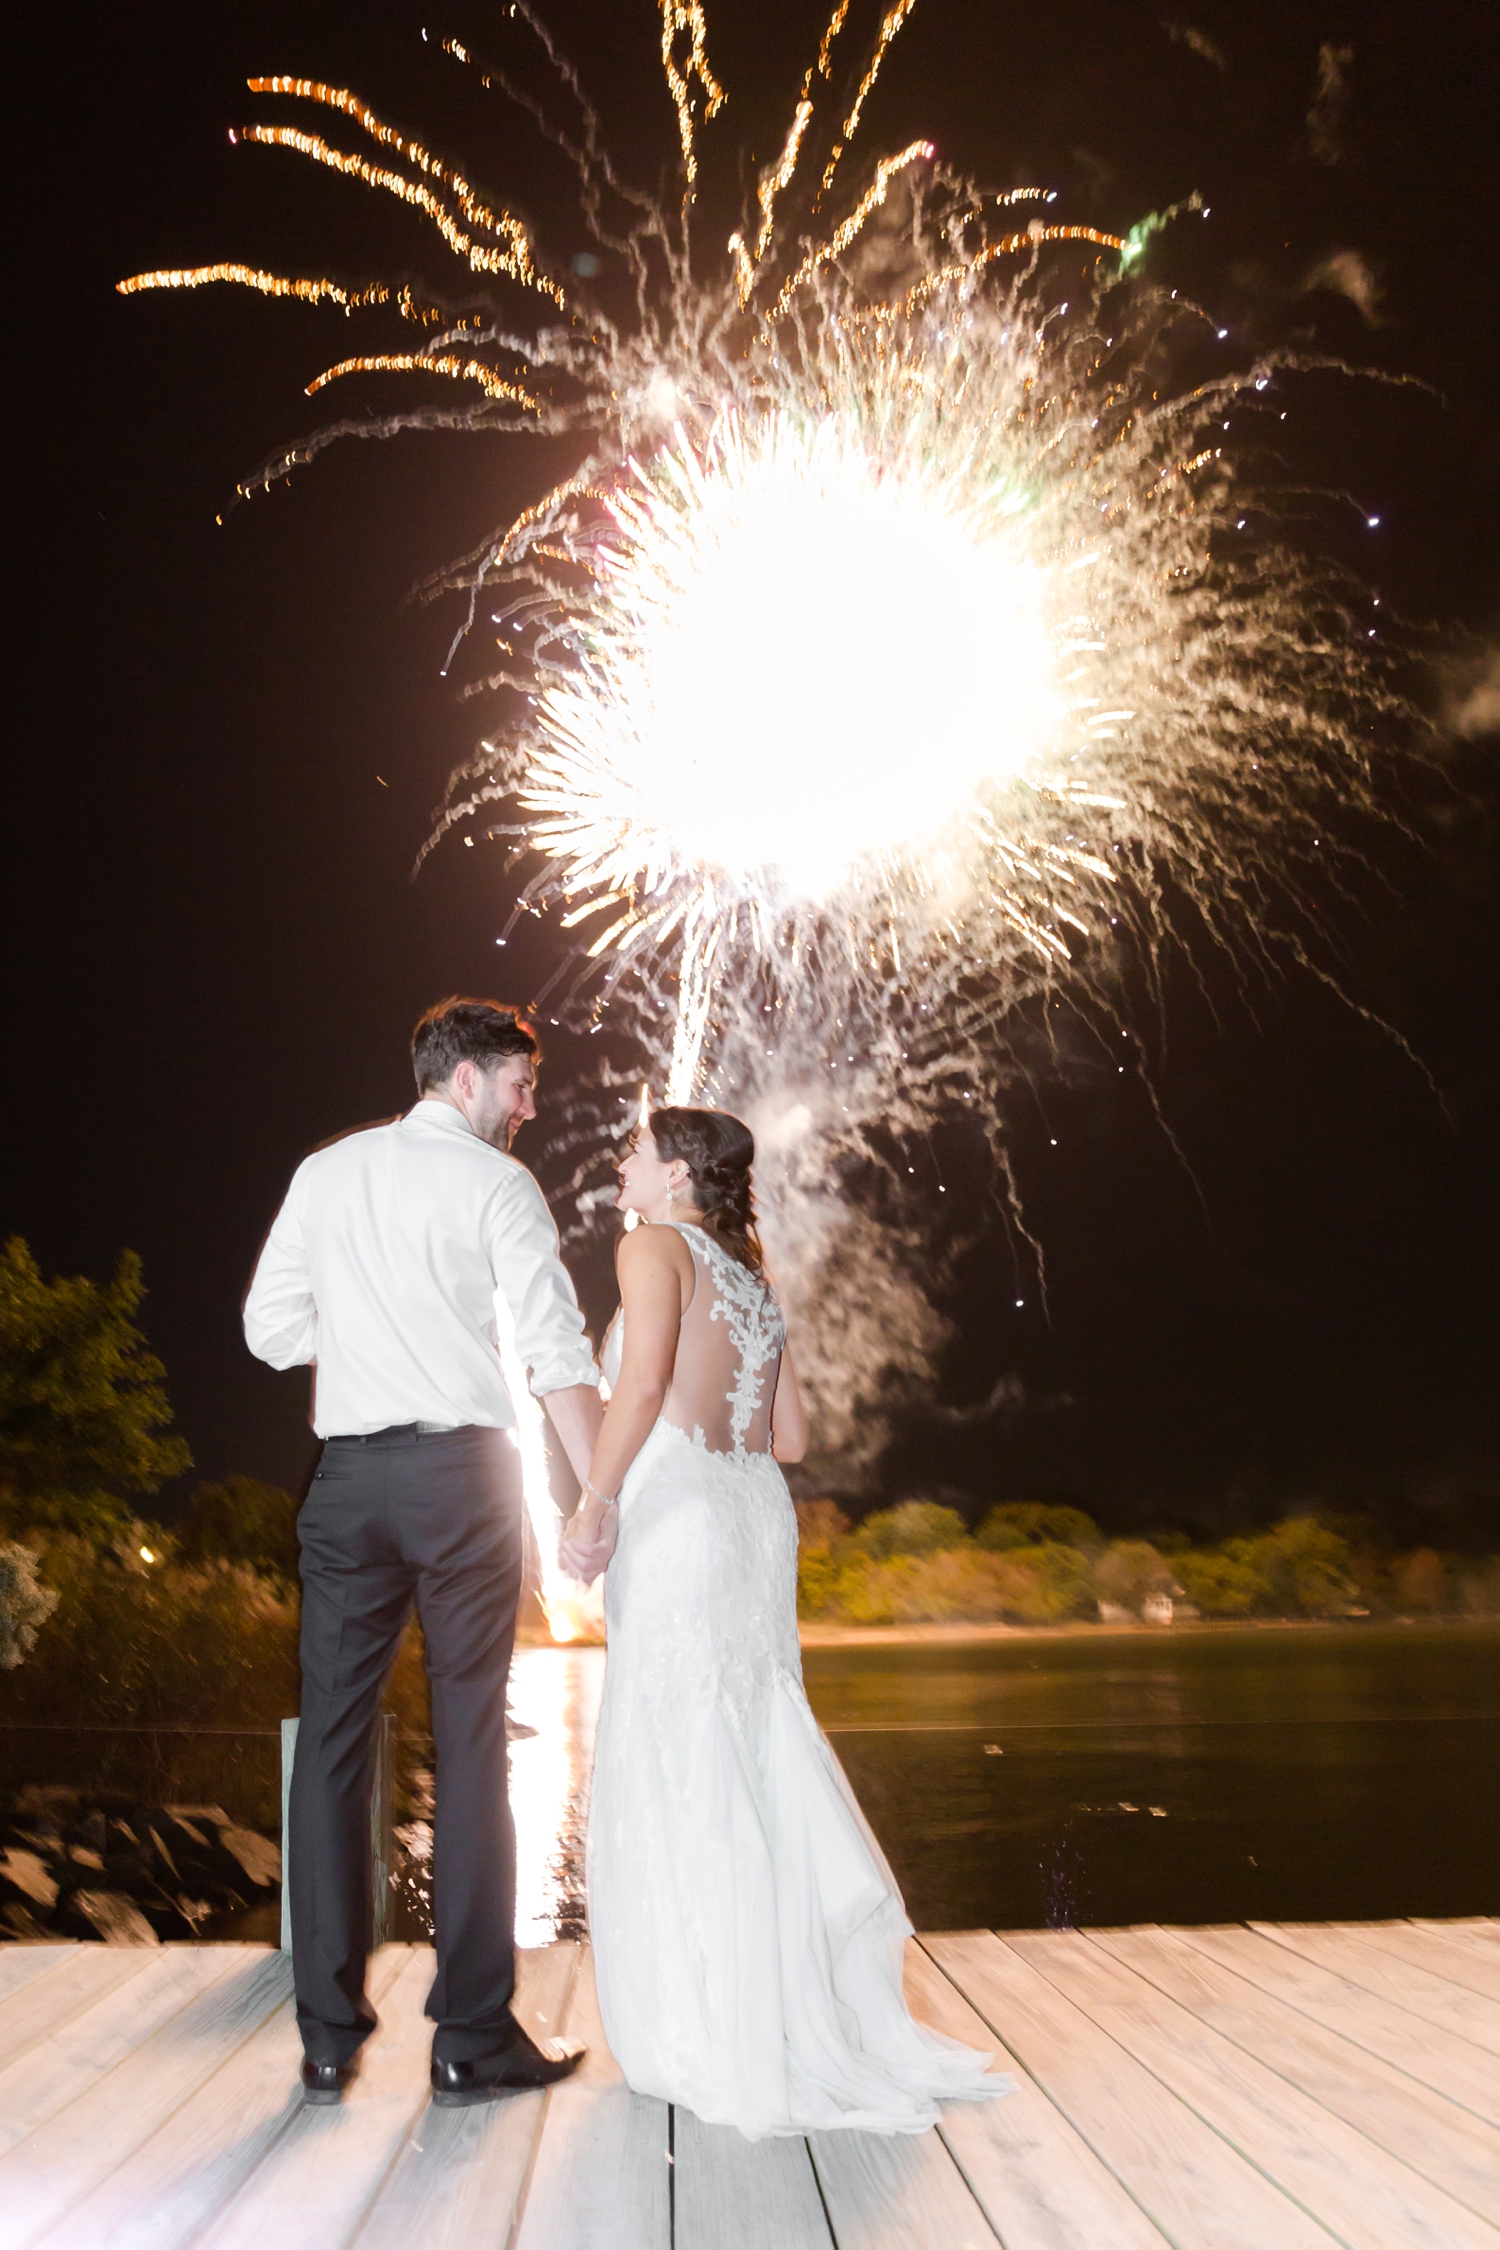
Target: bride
pixel 747 1932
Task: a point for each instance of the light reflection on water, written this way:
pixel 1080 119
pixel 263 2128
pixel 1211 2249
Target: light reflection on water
pixel 556 1691
pixel 552 1711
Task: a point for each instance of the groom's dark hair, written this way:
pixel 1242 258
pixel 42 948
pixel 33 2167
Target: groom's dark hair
pixel 476 1031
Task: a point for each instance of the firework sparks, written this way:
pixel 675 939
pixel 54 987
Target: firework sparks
pixel 895 651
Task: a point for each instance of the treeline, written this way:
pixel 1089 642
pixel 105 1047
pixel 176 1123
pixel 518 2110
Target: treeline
pixel 1031 1564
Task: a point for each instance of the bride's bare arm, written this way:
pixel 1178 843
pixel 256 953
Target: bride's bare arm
pixel 656 1280
pixel 789 1429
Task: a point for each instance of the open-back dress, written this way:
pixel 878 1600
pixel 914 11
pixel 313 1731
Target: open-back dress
pixel 747 1932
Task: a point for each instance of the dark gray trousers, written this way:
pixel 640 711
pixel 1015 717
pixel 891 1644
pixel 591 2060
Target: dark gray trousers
pixel 391 1520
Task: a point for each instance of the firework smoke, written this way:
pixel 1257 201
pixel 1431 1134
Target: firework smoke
pixel 909 641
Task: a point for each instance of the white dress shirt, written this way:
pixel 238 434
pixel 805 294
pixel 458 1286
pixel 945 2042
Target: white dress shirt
pixel 383 1265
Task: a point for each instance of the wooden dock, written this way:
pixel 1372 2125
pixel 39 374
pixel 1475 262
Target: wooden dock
pixel 1271 2087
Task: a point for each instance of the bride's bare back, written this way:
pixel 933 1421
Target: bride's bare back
pixel 728 1353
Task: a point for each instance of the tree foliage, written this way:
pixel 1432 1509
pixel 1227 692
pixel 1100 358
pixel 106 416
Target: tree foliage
pixel 1036 1564
pixel 917 1527
pixel 84 1418
pixel 1035 1523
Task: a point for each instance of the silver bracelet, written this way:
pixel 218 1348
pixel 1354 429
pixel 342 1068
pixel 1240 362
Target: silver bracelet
pixel 593 1489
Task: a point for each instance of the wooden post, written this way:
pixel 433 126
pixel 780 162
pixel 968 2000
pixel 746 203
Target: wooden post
pixel 382 1842
pixel 381 1839
pixel 288 1753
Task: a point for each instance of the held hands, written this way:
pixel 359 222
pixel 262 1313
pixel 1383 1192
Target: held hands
pixel 589 1540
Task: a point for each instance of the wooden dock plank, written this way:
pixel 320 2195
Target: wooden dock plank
pixel 40 2007
pixel 1365 2197
pixel 599 2181
pixel 1463 2073
pixel 1200 2192
pixel 734 2194
pixel 1347 1948
pixel 316 2181
pixel 1041 2185
pixel 1482 1929
pixel 119 2089
pixel 22 1964
pixel 204 2150
pixel 42 2084
pixel 1446 2145
pixel 897 2191
pixel 1474 1967
pixel 460 2178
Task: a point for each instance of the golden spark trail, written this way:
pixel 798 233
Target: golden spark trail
pixel 678 16
pixel 252 277
pixel 427 363
pixel 520 263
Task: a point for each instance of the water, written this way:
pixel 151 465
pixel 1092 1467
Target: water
pixel 1328 1773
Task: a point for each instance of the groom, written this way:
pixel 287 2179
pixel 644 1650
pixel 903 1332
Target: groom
pixel 380 1272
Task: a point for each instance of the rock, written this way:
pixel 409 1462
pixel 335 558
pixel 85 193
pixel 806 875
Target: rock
pixel 92 1833
pixel 22 1928
pixel 115 1918
pixel 259 1857
pixel 29 1874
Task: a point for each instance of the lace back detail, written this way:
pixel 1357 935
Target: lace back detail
pixel 724 1378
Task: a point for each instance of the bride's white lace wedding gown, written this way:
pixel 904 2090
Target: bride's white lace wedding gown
pixel 747 1931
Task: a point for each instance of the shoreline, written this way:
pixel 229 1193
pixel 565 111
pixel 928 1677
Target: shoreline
pixel 814 1633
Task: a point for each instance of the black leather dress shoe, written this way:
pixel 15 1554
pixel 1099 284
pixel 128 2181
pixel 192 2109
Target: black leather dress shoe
pixel 325 2083
pixel 456 2085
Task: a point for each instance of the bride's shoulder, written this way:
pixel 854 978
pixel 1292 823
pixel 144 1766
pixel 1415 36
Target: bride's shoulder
pixel 645 1250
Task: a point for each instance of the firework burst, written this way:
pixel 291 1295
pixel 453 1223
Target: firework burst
pixel 906 639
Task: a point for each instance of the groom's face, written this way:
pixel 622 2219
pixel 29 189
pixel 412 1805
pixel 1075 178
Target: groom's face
pixel 504 1098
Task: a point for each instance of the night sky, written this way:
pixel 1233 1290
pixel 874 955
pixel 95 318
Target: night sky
pixel 226 742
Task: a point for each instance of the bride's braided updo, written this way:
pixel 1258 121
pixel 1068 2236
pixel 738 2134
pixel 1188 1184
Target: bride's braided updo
pixel 719 1152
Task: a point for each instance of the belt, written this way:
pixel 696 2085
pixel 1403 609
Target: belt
pixel 400 1430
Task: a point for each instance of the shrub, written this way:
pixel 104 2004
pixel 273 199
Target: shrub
pixel 1042 1585
pixel 242 1520
pixel 1027 1523
pixel 1421 1581
pixel 820 1523
pixel 1305 1567
pixel 1479 1589
pixel 1220 1584
pixel 820 1527
pixel 139 1644
pixel 1036 1586
pixel 25 1604
pixel 914 1589
pixel 917 1527
pixel 817 1576
pixel 134 1643
pixel 1129 1570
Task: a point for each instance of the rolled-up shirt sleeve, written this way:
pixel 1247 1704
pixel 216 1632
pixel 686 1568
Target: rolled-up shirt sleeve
pixel 281 1317
pixel 531 1277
